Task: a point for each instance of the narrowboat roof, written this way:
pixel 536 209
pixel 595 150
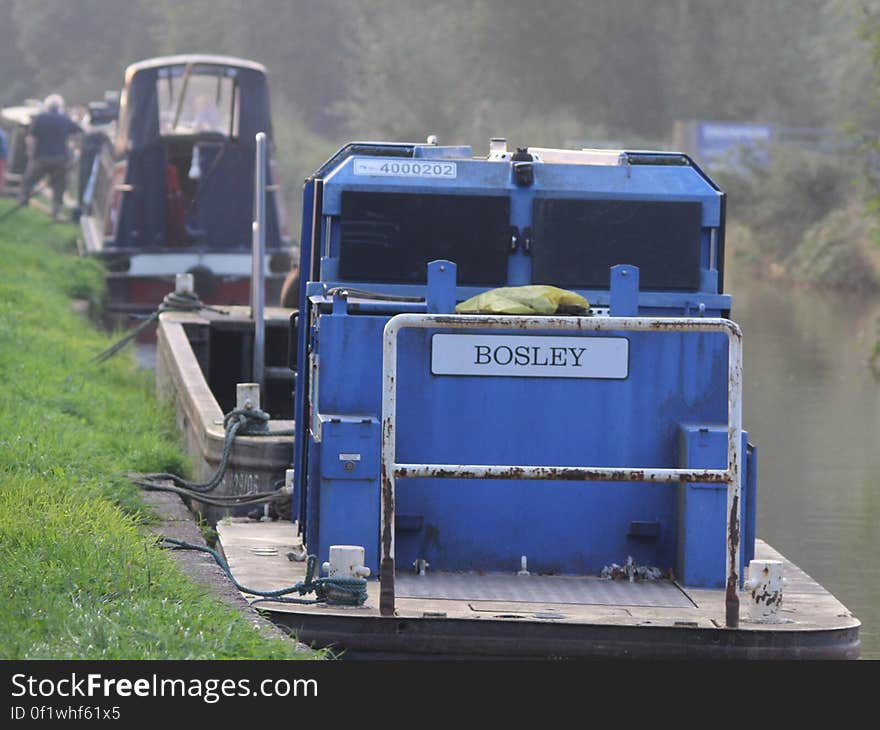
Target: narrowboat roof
pixel 21 114
pixel 209 59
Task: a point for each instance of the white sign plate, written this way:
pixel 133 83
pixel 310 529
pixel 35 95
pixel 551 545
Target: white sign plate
pixel 530 356
pixel 405 167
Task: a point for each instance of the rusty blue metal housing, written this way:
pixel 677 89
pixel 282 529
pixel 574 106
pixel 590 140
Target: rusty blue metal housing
pixel 470 470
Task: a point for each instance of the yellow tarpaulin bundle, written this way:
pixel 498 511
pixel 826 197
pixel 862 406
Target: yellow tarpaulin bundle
pixel 534 299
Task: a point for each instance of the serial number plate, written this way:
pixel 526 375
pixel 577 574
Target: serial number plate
pixel 530 356
pixel 405 168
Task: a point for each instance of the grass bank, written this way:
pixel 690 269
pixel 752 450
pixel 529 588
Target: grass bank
pixel 80 577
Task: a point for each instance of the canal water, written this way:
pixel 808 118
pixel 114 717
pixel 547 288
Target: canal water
pixel 812 406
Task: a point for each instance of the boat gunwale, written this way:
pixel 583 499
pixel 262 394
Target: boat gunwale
pixel 180 378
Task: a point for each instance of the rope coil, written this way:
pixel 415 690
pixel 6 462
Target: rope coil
pixel 172 302
pixel 339 591
pixel 243 421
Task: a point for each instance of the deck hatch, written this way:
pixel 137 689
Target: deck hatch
pixel 541 589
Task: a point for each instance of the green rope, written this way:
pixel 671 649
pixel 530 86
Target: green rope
pixel 244 421
pixel 341 591
pixel 172 302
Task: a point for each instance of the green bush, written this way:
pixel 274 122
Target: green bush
pixel 781 200
pixel 833 252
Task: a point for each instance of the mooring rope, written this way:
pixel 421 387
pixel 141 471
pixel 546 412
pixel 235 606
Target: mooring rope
pixel 173 302
pixel 344 591
pixel 244 421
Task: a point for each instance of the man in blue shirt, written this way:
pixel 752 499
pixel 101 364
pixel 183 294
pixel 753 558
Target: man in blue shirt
pixel 48 151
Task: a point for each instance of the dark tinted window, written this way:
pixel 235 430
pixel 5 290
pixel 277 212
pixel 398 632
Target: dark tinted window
pixel 391 237
pixel 577 241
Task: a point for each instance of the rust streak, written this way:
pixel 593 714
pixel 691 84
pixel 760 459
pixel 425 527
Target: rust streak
pixel 552 474
pixel 731 601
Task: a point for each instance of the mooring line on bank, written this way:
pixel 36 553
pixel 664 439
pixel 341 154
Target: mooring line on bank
pixel 172 302
pixel 243 421
pixel 339 591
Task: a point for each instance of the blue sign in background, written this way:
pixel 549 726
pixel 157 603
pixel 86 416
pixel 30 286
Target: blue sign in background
pixel 718 143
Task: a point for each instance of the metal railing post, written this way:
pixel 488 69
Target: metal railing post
pixel 387 464
pixel 258 257
pixel 734 467
pixel 391 470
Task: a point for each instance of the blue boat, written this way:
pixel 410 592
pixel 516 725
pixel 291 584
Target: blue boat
pixel 527 483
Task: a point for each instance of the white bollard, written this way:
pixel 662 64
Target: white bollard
pixel 346 561
pixel 421 566
pixel 184 284
pixel 247 395
pixel 765 586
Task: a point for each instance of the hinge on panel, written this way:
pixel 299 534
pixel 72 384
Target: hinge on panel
pixel 521 239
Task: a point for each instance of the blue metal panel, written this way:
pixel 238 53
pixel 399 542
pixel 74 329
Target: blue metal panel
pixel 349 482
pixel 751 500
pixel 345 510
pixel 349 515
pixel 441 287
pixel 562 527
pixel 702 509
pixel 351 364
pixel 348 447
pixel 624 291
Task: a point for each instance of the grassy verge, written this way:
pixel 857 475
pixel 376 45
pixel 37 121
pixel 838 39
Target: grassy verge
pixel 80 577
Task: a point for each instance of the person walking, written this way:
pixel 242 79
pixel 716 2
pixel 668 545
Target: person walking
pixel 48 151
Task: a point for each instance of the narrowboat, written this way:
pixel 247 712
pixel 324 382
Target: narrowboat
pixel 502 480
pixel 170 186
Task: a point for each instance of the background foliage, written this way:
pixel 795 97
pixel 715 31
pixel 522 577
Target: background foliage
pixel 539 73
pixel 560 72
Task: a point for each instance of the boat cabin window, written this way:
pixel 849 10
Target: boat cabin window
pixel 577 241
pixel 198 99
pixel 391 237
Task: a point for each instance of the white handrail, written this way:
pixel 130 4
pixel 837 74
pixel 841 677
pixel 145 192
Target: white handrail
pixel 391 470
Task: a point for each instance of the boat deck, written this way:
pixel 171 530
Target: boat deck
pixel 536 615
